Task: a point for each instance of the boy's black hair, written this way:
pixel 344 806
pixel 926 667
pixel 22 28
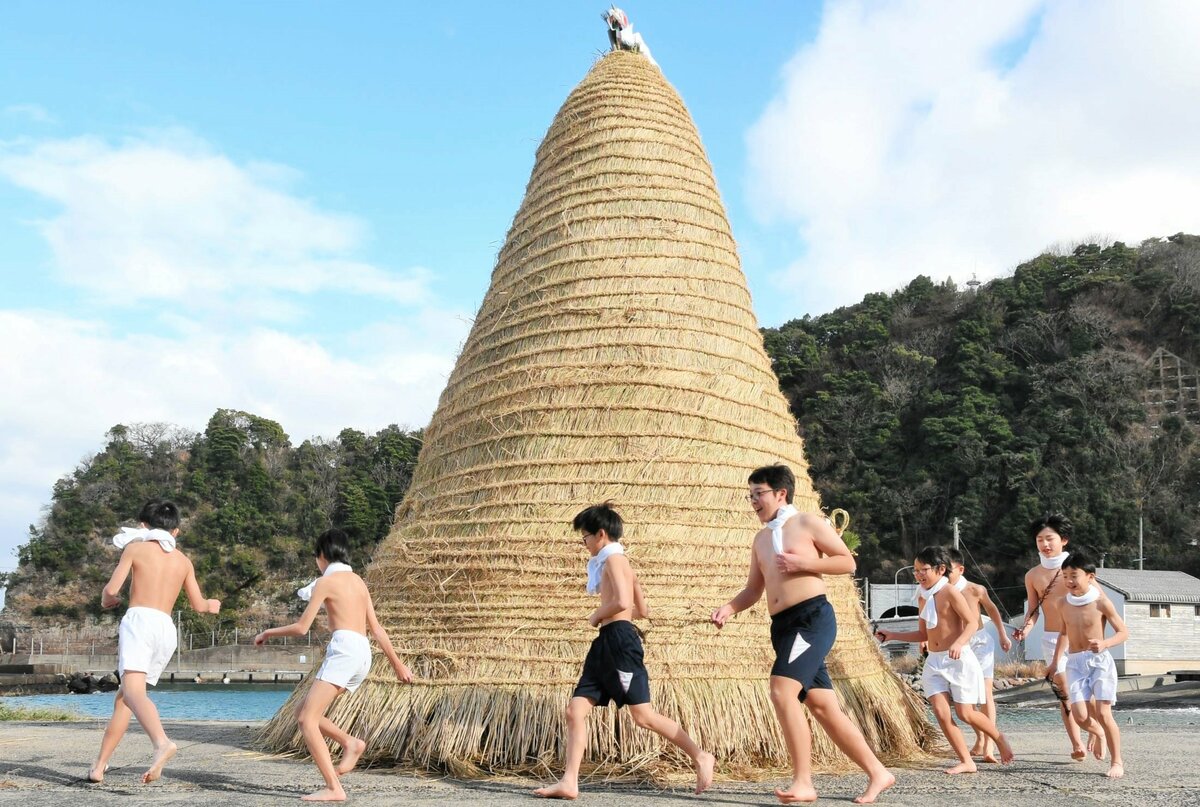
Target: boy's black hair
pixel 334 544
pixel 956 557
pixel 600 517
pixel 1081 560
pixel 779 477
pixel 159 514
pixel 934 556
pixel 1055 521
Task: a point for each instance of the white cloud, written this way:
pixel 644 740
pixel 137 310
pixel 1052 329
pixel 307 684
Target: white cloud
pixel 900 145
pixel 203 276
pixel 69 381
pixel 30 112
pixel 164 217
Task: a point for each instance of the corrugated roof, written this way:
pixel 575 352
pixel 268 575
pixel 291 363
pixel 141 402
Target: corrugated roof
pixel 1152 585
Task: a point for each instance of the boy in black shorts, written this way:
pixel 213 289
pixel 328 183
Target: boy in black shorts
pixel 613 671
pixel 787 560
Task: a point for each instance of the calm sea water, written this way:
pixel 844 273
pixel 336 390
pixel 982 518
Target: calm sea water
pixel 251 702
pixel 240 702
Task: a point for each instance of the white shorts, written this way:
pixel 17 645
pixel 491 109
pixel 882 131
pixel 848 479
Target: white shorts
pixel 961 677
pixel 1049 640
pixel 347 660
pixel 145 642
pixel 984 647
pixel 1091 675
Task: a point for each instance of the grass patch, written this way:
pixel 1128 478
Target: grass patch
pixel 34 714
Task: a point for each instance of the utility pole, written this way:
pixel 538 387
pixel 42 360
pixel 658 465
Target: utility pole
pixel 1141 550
pixel 957 521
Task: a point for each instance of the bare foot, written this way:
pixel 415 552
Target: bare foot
pixel 558 791
pixel 704 771
pixel 1096 745
pixel 962 767
pixel 161 755
pixel 989 758
pixel 796 793
pixel 1078 754
pixel 350 755
pixel 1006 752
pixel 1115 771
pixel 96 778
pixel 326 794
pixel 877 784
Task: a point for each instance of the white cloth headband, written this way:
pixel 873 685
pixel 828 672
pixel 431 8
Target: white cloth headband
pixel 595 566
pixel 307 592
pixel 129 535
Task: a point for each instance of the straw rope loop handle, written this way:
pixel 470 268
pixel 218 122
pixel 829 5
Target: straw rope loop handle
pixel 840 520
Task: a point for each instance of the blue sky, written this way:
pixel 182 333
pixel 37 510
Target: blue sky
pixel 294 208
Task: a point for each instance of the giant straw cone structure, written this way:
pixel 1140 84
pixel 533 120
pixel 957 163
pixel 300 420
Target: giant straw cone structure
pixel 615 356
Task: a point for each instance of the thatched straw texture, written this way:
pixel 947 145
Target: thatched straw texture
pixel 615 356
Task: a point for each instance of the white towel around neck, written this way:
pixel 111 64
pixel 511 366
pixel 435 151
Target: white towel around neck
pixel 595 566
pixel 962 583
pixel 929 609
pixel 1055 562
pixel 307 592
pixel 130 535
pixel 1093 594
pixel 776 526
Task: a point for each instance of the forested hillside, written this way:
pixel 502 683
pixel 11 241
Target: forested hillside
pixel 1033 392
pixel 1040 391
pixel 252 504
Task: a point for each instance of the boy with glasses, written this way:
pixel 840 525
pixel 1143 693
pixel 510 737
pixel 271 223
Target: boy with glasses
pixel 787 560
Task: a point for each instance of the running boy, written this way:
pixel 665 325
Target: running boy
pixel 788 557
pixel 982 644
pixel 613 670
pixel 1091 671
pixel 146 638
pixel 347 659
pixel 952 672
pixel 1045 591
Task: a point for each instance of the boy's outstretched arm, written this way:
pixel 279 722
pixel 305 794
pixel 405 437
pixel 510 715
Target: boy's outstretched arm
pixel 1031 596
pixel 921 634
pixel 110 595
pixel 301 625
pixel 745 598
pixel 641 606
pixel 195 598
pixel 385 644
pixel 993 613
pixel 1120 631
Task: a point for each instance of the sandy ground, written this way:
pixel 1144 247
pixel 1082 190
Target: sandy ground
pixel 43 764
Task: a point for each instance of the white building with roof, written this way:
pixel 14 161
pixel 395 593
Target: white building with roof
pixel 1162 611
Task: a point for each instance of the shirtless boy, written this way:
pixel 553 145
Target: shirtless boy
pixel 787 560
pixel 982 644
pixel 1091 671
pixel 347 663
pixel 146 638
pixel 952 672
pixel 614 670
pixel 1045 592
